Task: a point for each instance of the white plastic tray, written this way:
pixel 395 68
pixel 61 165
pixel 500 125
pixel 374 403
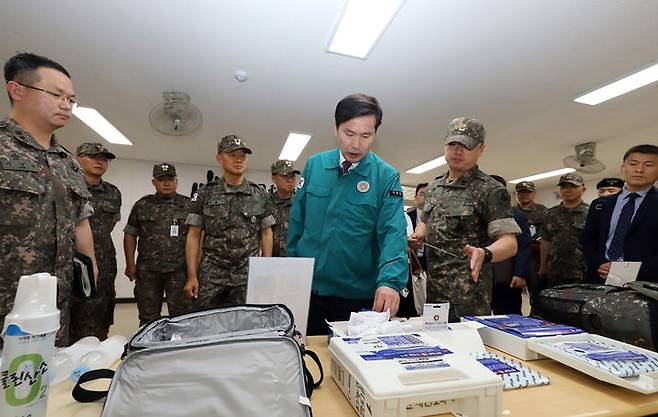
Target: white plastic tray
pixel 646 383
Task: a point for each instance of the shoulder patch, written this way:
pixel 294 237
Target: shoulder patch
pixel 195 196
pixel 504 196
pixel 395 193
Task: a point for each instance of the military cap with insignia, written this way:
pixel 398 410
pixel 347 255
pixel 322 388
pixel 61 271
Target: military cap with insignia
pixel 571 178
pixel 93 148
pixel 164 169
pixel 469 132
pixel 284 167
pixel 525 186
pixel 610 182
pixel 232 143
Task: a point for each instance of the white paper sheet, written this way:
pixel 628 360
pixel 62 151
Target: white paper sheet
pixel 282 281
pixel 622 272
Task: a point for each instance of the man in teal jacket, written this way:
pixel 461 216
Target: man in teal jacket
pixel 348 214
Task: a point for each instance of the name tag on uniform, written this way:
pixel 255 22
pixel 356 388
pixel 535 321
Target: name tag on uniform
pixel 19 165
pixel 173 230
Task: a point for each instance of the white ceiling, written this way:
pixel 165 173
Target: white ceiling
pixel 515 64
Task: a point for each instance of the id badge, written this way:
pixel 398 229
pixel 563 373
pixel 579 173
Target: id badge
pixel 173 230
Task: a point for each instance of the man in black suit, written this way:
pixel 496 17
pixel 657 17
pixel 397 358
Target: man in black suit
pixel 414 214
pixel 510 275
pixel 624 226
pixel 407 304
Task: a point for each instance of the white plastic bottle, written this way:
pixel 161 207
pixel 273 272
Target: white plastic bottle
pixel 66 360
pixel 29 342
pixel 104 356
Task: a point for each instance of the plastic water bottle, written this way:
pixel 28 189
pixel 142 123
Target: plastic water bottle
pixel 29 342
pixel 66 360
pixel 104 356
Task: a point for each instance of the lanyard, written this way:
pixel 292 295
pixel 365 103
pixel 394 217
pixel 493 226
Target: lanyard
pixel 442 250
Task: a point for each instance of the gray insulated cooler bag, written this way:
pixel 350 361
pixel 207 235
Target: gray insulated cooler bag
pixel 235 361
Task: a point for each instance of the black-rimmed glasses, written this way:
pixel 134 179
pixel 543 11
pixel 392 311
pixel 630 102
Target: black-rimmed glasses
pixel 72 100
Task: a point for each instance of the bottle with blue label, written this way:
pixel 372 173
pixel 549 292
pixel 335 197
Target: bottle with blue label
pixel 29 343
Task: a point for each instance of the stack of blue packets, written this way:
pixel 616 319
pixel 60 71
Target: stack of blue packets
pixel 525 327
pixel 514 374
pixel 613 359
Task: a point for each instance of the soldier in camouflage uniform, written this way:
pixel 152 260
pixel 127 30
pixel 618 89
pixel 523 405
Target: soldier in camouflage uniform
pixel 280 200
pixel 561 251
pixel 525 197
pixel 157 224
pixel 94 317
pixel 45 202
pixel 234 216
pixel 468 216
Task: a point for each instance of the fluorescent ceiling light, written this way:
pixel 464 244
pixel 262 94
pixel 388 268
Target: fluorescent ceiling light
pixel 294 146
pixel 543 175
pixel 623 86
pixel 100 125
pixel 434 163
pixel 361 26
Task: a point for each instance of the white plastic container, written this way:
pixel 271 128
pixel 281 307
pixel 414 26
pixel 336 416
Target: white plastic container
pixel 103 356
pixel 408 385
pixel 29 343
pixel 70 358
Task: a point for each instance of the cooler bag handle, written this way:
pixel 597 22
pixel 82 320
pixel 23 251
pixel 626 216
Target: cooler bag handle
pixel 84 395
pixel 647 289
pixel 308 377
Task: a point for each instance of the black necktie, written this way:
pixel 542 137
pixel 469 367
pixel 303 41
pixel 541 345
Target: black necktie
pixel 616 249
pixel 346 166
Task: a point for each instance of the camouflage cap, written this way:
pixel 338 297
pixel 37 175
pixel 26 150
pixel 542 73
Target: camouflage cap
pixel 469 132
pixel 164 169
pixel 232 143
pixel 525 186
pixel 284 167
pixel 94 148
pixel 610 182
pixel 571 178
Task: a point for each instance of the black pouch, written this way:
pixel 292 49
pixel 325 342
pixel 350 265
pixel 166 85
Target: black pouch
pixel 628 314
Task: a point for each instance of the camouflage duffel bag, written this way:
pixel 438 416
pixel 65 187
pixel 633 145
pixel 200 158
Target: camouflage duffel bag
pixel 628 314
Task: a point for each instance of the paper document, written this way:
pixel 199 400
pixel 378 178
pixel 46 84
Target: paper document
pixel 282 281
pixel 622 272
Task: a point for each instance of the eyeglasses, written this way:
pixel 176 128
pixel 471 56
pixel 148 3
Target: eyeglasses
pixel 72 100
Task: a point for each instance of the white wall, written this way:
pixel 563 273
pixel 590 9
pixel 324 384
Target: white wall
pixel 133 178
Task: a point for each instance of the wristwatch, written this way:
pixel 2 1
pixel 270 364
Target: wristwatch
pixel 488 255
